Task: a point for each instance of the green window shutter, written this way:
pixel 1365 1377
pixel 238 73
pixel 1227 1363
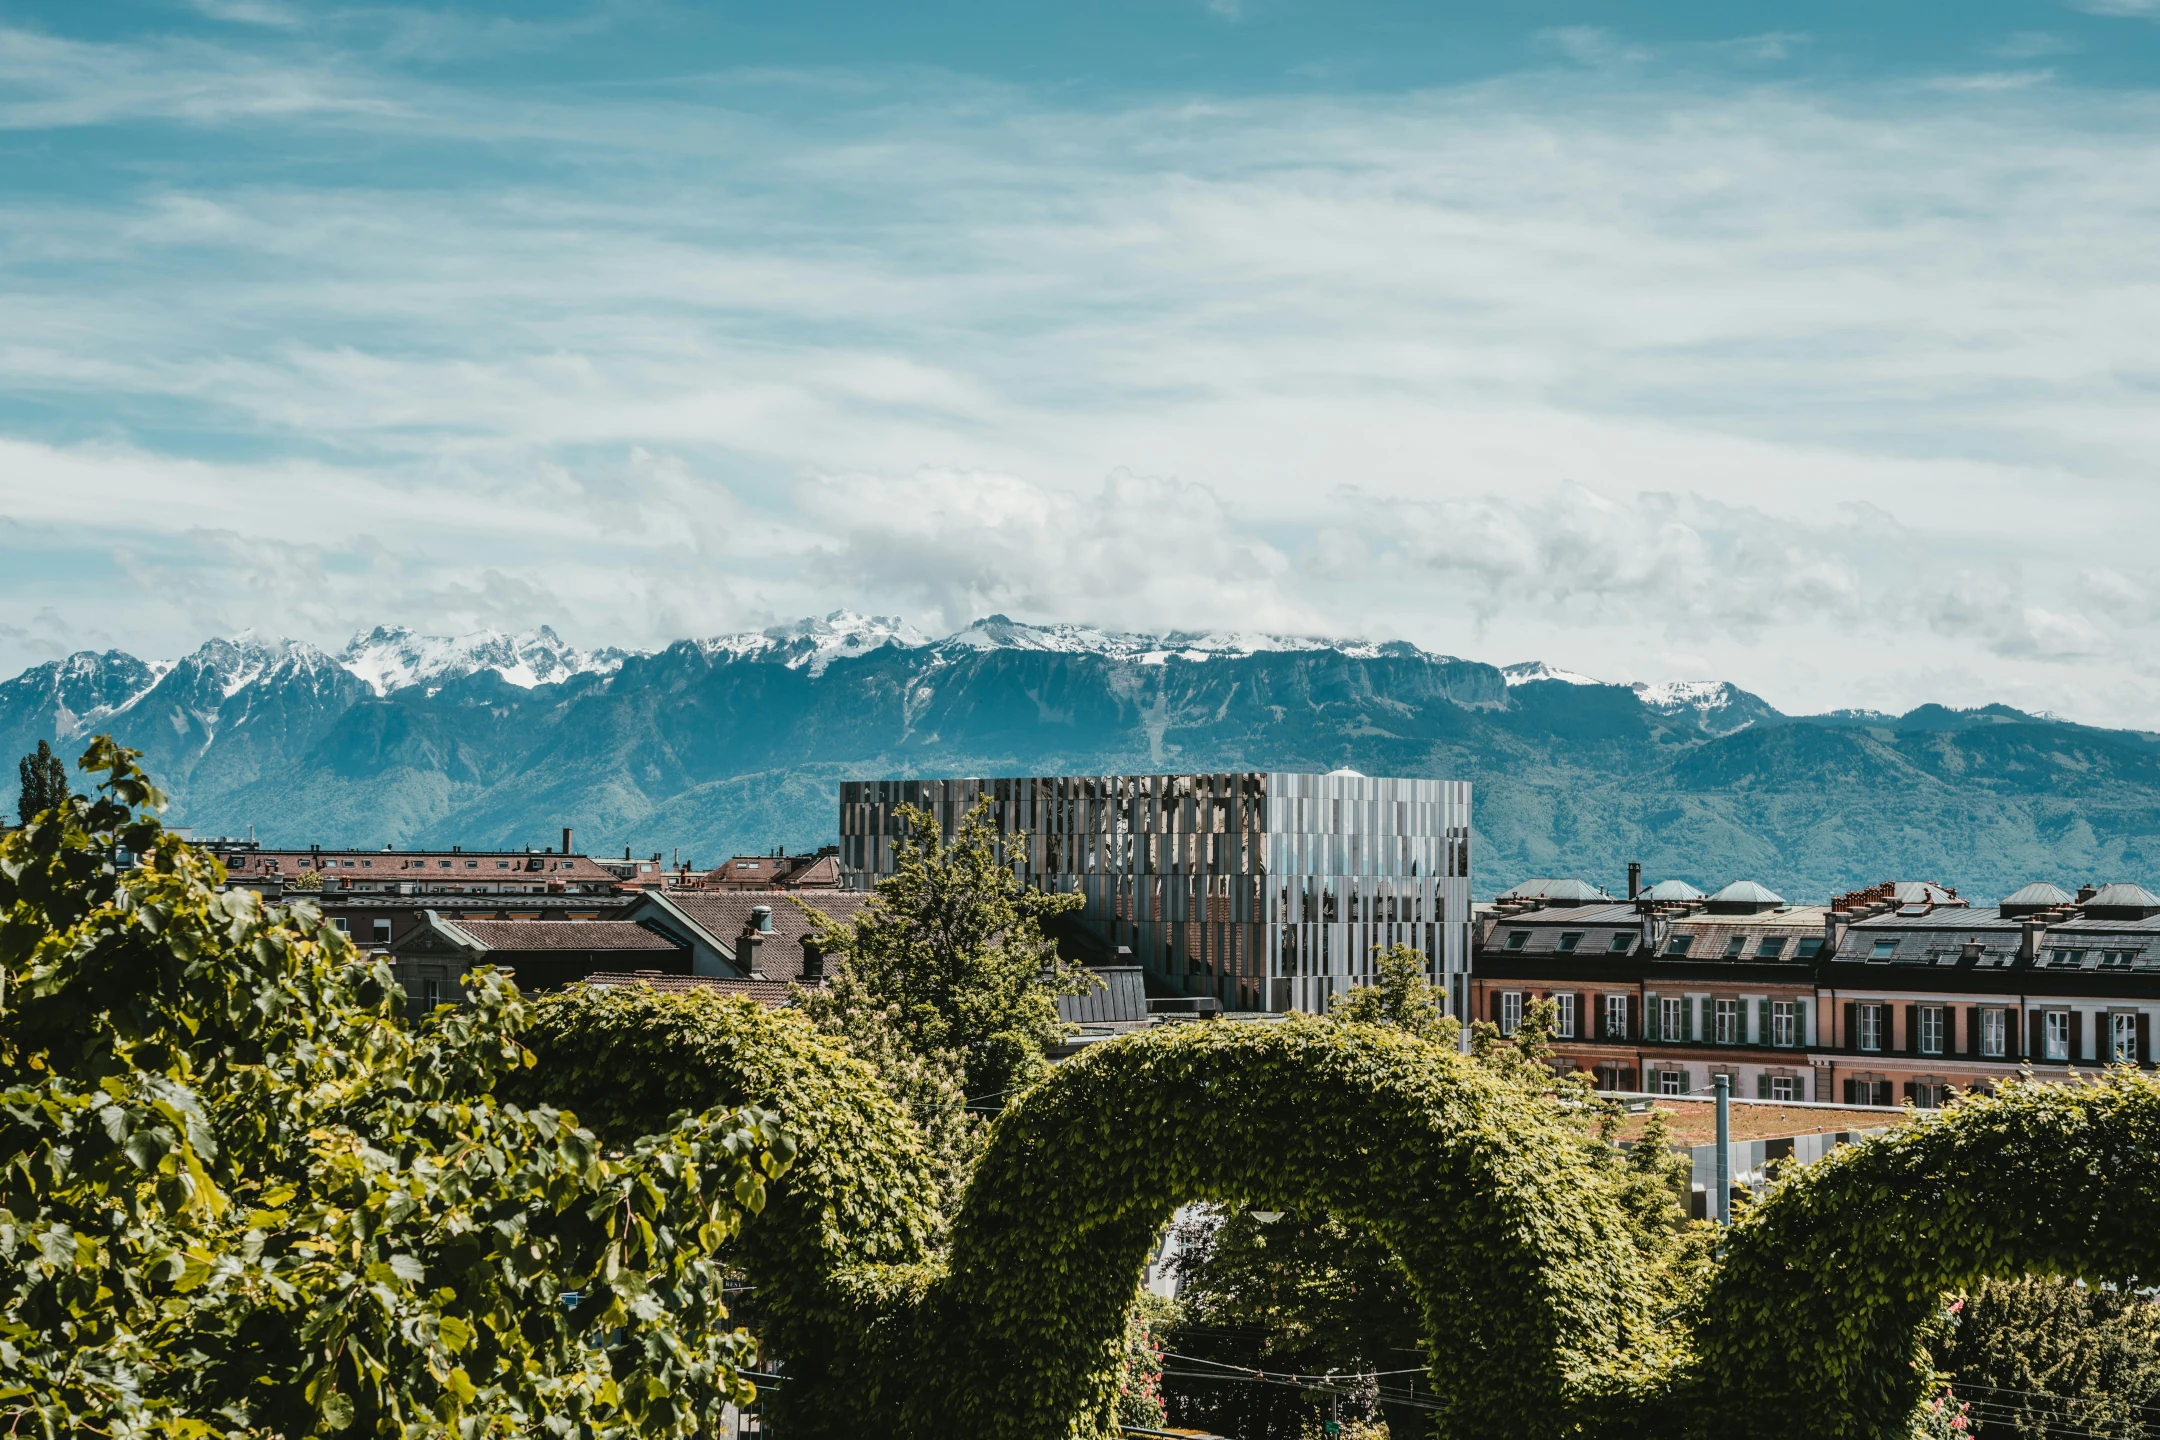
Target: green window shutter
pixel 1762 1085
pixel 1801 1012
pixel 1649 1015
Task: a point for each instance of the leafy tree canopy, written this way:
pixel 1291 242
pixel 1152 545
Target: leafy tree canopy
pixel 44 783
pixel 951 947
pixel 242 1197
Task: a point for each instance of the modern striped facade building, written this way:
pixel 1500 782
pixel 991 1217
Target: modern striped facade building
pixel 1266 890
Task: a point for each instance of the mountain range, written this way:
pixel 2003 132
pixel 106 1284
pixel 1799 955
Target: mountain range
pixel 738 744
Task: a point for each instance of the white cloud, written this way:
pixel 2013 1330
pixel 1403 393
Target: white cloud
pixel 959 545
pixel 1578 365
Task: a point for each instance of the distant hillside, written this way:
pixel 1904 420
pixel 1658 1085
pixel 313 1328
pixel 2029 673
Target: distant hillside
pixel 740 743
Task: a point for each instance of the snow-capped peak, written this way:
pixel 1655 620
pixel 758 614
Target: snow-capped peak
pixel 998 632
pixel 1676 694
pixel 814 644
pixel 1530 670
pixel 392 657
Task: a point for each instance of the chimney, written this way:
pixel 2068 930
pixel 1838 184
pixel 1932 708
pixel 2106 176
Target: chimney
pixel 2032 941
pixel 756 930
pixel 1634 879
pixel 2086 892
pixel 566 839
pixel 813 961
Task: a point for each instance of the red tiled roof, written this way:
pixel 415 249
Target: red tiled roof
pixel 563 935
pixel 723 913
pixel 772 994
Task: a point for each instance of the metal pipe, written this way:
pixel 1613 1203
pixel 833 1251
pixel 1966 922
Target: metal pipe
pixel 1724 1149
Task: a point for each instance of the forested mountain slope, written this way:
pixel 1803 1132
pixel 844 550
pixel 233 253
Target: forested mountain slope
pixel 739 744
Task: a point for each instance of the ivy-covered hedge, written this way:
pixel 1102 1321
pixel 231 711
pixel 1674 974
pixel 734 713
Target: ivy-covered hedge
pixel 1525 1265
pixel 1544 1314
pixel 1818 1307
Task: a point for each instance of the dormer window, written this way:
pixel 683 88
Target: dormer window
pixel 1569 941
pixel 1517 939
pixel 1678 945
pixel 1734 946
pixel 1771 947
pixel 1622 943
pixel 1883 950
pixel 1809 948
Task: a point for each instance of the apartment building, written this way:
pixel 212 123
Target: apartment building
pixel 1899 992
pixel 1664 991
pixel 1922 1000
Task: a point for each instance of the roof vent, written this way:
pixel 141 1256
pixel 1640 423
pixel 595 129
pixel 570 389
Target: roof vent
pixel 761 919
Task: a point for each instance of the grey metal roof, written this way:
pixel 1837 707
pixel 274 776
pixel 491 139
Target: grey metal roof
pixel 1672 890
pixel 2123 895
pixel 1747 892
pixel 1581 890
pixel 1527 890
pixel 2039 893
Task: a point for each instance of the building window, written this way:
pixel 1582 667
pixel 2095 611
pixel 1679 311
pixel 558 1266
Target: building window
pixel 1883 950
pixel 1564 1016
pixel 1510 1011
pixel 1931 1029
pixel 1994 1034
pixel 431 990
pixel 1771 948
pixel 1868 1019
pixel 2116 959
pixel 2067 959
pixel 1569 940
pixel 1930 1094
pixel 1622 943
pixel 1728 1022
pixel 2055 1035
pixel 502 864
pixel 1672 1023
pixel 1734 946
pixel 339 921
pixel 1616 1017
pixel 1809 948
pixel 1784 1087
pixel 1784 1023
pixel 1517 939
pixel 2124 1033
pixel 1672 1082
pixel 382 932
pixel 1678 944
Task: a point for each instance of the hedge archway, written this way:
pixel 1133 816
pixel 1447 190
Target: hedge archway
pixel 1525 1267
pixel 1818 1307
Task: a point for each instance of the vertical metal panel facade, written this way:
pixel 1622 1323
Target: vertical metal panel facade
pixel 1268 891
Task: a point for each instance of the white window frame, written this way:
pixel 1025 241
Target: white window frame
pixel 1785 1024
pixel 1792 1087
pixel 1672 1017
pixel 2122 1031
pixel 1931 1029
pixel 1616 1017
pixel 381 929
pixel 1726 1014
pixel 1672 1082
pixel 2055 1035
pixel 1867 1019
pixel 1564 1015
pixel 1511 1011
pixel 1994 1034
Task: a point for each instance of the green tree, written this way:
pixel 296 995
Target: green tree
pixel 951 946
pixel 2038 1356
pixel 1401 997
pixel 242 1197
pixel 44 783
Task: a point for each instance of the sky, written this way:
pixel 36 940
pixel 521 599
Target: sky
pixel 1811 347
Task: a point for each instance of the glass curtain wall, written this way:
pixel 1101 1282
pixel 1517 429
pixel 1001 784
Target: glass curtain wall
pixel 1267 891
